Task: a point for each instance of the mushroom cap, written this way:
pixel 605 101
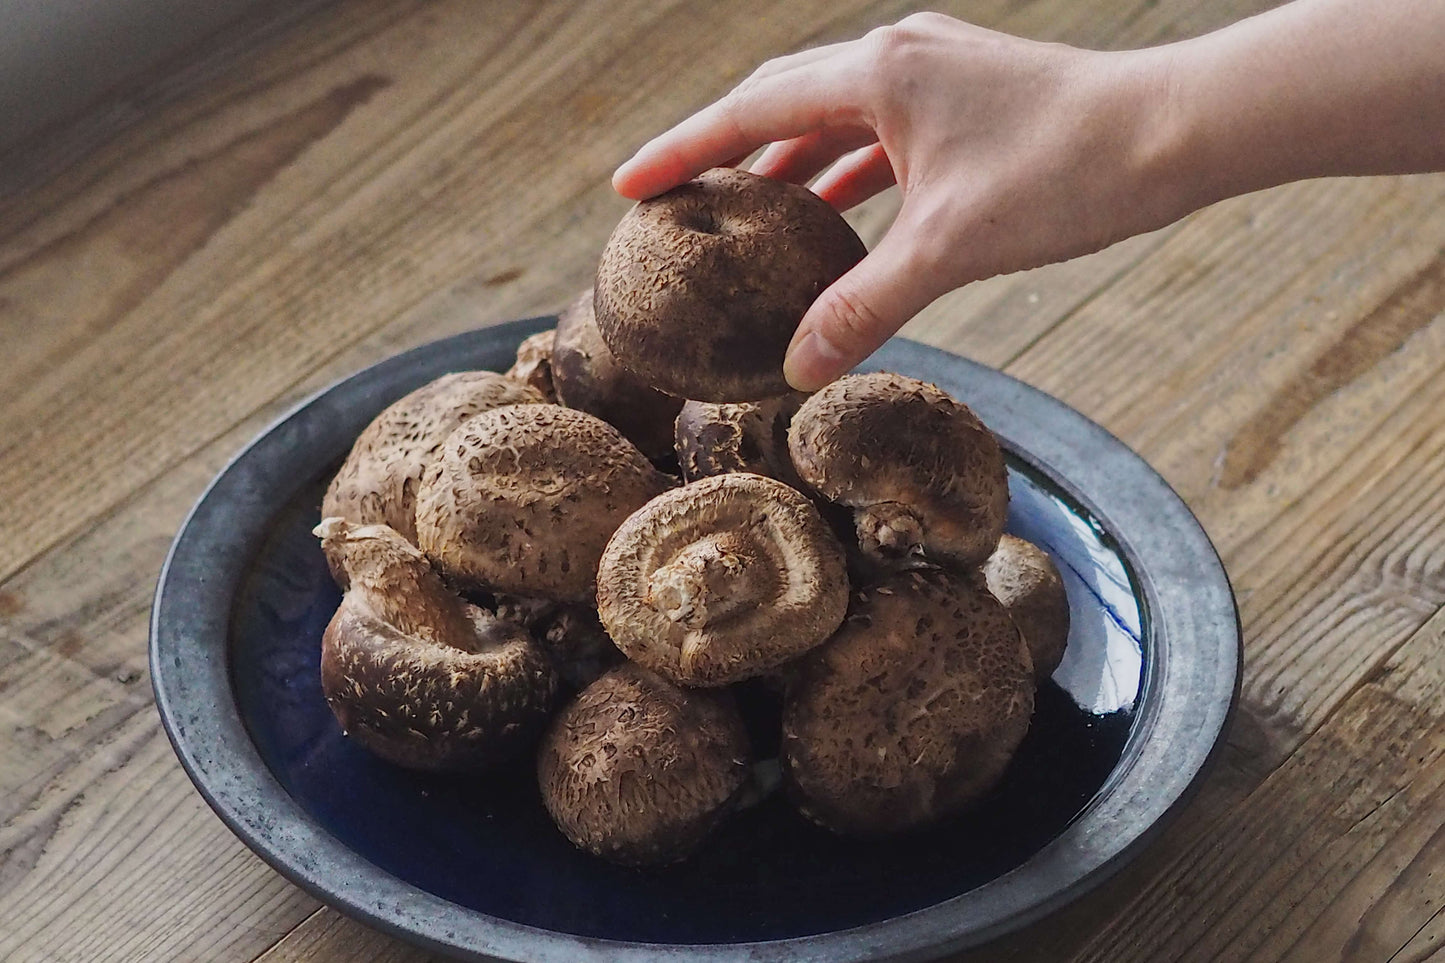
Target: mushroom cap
pixel 377 483
pixel 533 366
pixel 637 771
pixel 589 378
pixel 722 580
pixel 911 711
pixel 925 478
pixel 416 675
pixel 699 289
pixel 522 499
pixel 1023 577
pixel 713 438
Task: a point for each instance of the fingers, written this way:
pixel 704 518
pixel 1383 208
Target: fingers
pixel 769 106
pixel 856 177
pixel 800 159
pixel 860 311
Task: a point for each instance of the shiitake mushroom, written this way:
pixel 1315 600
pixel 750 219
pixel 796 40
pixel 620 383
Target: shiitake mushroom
pixel 925 479
pixel 522 499
pixel 638 771
pixel 1023 577
pixel 699 289
pixel 416 675
pixel 721 580
pixel 911 711
pixel 377 483
pixel 590 379
pixel 533 366
pixel 713 438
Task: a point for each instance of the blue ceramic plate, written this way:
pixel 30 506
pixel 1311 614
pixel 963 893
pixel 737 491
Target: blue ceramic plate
pixel 474 867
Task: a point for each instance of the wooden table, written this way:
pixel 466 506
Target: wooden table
pixel 310 193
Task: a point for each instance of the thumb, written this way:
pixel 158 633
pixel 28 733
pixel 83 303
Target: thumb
pixel 861 310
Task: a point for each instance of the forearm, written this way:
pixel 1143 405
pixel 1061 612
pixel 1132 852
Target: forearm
pixel 1315 88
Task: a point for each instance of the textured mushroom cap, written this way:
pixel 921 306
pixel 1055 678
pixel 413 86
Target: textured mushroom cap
pixel 721 580
pixel 714 438
pixel 415 674
pixel 637 771
pixel 522 500
pixel 377 483
pixel 1023 577
pixel 589 378
pixel 533 366
pixel 911 711
pixel 699 289
pixel 924 476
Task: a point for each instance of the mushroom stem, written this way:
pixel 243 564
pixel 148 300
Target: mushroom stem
pixel 709 579
pixel 889 529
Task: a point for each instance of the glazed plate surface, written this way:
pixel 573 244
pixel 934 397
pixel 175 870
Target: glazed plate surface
pixel 473 867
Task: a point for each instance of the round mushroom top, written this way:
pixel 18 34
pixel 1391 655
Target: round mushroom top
pixel 924 476
pixel 638 771
pixel 415 674
pixel 714 438
pixel 912 710
pixel 699 289
pixel 721 580
pixel 1023 577
pixel 590 379
pixel 521 500
pixel 378 481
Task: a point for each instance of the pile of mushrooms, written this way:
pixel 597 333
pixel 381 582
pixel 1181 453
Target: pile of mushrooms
pixel 582 557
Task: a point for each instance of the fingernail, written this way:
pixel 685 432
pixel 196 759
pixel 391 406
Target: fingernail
pixel 813 362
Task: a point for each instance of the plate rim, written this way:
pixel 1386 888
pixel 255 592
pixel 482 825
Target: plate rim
pixel 1105 477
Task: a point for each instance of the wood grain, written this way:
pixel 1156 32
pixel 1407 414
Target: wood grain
pixel 375 174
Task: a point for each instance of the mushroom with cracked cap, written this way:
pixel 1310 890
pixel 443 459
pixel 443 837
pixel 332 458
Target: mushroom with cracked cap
pixel 522 499
pixel 415 674
pixel 925 479
pixel 722 580
pixel 377 483
pixel 638 771
pixel 700 289
pixel 1023 577
pixel 912 710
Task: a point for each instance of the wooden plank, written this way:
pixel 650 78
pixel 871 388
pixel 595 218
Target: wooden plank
pixel 327 935
pixel 61 761
pixel 318 246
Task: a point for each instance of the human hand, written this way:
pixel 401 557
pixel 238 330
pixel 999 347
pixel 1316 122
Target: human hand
pixel 1009 154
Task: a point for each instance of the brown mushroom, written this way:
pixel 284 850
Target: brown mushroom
pixel 714 438
pixel 416 675
pixel 522 499
pixel 1023 577
pixel 924 477
pixel 570 633
pixel 699 289
pixel 533 366
pixel 377 483
pixel 722 580
pixel 589 378
pixel 912 711
pixel 637 771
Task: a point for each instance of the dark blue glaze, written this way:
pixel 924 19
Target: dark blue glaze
pixel 486 842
